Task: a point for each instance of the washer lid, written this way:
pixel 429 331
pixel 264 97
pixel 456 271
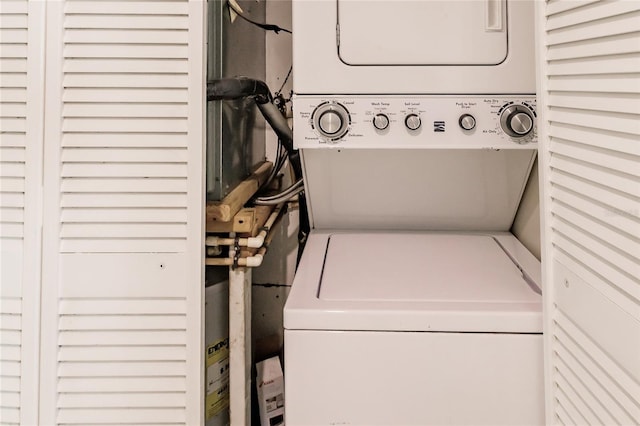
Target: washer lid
pixel 414 282
pixel 402 267
pixel 435 32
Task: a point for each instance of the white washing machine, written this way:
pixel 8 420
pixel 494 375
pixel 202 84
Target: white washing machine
pixel 414 328
pixel 413 304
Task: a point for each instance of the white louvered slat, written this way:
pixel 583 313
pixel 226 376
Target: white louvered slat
pixel 120 354
pixel 117 200
pixel 125 185
pixel 129 65
pixel 114 322
pixel 13 21
pixel 106 416
pixel 610 178
pixel 597 83
pixel 126 96
pixel 559 6
pixel 12 94
pixel 130 215
pixel 123 140
pixel 621 142
pixel 20 159
pixel 85 36
pixel 123 191
pixel 572 396
pixel 618 44
pixel 13 35
pixel 602 217
pixel 126 22
pixel 589 116
pixel 148 400
pixel 602 403
pixel 123 369
pixel 129 111
pixel 134 53
pixel 125 8
pixel 610 385
pixel 605 27
pixel 125 51
pixel 588 13
pixel 602 120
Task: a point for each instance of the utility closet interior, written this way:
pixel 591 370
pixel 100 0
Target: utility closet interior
pixel 251 40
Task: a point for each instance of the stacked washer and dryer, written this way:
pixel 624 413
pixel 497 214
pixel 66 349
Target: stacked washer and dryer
pixel 413 304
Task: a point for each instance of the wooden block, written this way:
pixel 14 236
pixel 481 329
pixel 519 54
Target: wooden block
pixel 225 210
pixel 242 222
pixel 261 216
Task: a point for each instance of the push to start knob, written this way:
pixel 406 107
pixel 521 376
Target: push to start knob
pixel 516 121
pixel 331 120
pixel 412 121
pixel 467 121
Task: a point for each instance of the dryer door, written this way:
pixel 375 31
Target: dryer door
pixel 464 32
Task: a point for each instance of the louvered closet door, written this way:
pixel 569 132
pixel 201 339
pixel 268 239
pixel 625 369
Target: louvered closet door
pixel 21 64
pixel 123 230
pixel 590 152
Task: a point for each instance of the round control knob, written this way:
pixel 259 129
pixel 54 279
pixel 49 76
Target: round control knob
pixel 412 121
pixel 521 123
pixel 467 121
pixel 380 121
pixel 516 121
pixel 331 120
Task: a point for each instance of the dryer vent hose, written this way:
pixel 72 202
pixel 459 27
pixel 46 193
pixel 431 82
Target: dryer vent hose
pixel 240 87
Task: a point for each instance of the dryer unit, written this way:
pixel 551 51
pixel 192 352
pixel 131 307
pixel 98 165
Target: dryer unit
pixel 413 47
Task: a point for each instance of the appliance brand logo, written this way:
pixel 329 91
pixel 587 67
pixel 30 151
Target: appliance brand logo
pixel 438 126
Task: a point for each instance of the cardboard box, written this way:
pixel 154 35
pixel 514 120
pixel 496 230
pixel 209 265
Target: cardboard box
pixel 270 384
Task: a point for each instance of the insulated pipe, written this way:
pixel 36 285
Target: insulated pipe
pixel 278 123
pixel 249 261
pixel 240 345
pixel 240 87
pixel 251 242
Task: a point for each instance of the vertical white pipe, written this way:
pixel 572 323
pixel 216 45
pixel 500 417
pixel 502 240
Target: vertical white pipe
pixel 240 346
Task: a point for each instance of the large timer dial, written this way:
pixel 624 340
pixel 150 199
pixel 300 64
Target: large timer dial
pixel 516 121
pixel 331 120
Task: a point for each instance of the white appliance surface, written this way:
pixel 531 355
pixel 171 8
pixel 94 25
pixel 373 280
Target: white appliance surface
pixel 458 32
pixel 421 267
pixel 439 121
pixel 413 47
pixel 370 378
pixel 420 189
pixel 415 282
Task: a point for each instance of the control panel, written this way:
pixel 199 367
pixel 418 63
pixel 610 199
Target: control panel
pixel 444 122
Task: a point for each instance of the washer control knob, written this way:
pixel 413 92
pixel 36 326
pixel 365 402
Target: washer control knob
pixel 331 120
pixel 516 121
pixel 412 121
pixel 380 121
pixel 467 122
